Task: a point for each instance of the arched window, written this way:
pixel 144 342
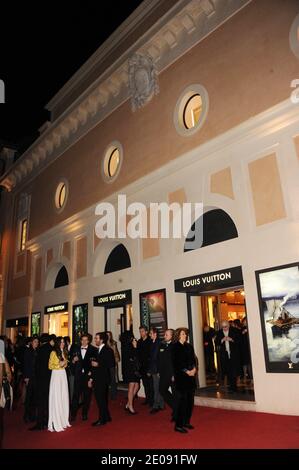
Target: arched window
pixel 62 278
pixel 216 226
pixel 118 259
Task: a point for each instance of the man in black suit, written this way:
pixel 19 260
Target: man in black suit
pixel 144 354
pixel 227 341
pixel 30 380
pixel 80 358
pixel 101 377
pixel 165 369
pixel 43 376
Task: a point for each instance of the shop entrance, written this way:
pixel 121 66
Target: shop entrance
pixel 118 320
pixel 214 308
pixel 56 320
pixel 211 299
pixel 118 317
pixel 59 324
pixel 16 327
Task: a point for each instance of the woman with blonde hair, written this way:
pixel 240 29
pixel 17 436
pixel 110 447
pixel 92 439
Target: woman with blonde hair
pixel 184 364
pixel 59 392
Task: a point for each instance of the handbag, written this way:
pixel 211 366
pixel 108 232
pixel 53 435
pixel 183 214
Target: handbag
pixel 6 398
pixel 2 399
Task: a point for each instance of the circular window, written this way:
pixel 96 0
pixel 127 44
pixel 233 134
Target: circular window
pixel 112 162
pixel 294 36
pixel 191 110
pixel 61 195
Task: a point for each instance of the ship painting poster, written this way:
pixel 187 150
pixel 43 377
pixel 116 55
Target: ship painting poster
pixel 278 290
pixel 153 310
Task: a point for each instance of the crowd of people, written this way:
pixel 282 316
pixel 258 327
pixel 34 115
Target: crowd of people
pixel 54 379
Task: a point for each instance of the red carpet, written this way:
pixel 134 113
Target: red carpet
pixel 214 428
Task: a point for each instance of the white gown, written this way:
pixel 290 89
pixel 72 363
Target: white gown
pixel 59 407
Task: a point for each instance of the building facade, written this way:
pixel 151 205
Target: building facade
pixel 188 101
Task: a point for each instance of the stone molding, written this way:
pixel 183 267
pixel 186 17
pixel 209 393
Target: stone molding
pixel 193 22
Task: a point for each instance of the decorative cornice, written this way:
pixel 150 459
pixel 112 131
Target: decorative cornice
pixel 171 36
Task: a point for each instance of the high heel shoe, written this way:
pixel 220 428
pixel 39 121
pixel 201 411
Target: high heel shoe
pixel 132 412
pixel 126 408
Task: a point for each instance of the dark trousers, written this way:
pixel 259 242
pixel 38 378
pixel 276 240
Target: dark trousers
pixel 17 382
pixel 148 389
pixel 113 384
pixel 184 407
pixel 81 389
pixel 30 401
pixel 229 368
pixel 169 397
pixel 42 394
pixel 101 395
pixel 209 361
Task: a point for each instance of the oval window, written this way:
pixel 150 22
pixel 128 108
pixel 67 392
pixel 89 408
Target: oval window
pixel 112 162
pixel 191 110
pixel 61 195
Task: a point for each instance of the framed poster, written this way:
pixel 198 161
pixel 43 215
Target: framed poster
pixel 80 321
pixel 35 323
pixel 278 290
pixel 153 310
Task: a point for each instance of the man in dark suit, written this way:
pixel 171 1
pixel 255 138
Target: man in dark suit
pixel 144 354
pixel 80 358
pixel 30 380
pixel 227 340
pixel 43 376
pixel 165 369
pixel 101 377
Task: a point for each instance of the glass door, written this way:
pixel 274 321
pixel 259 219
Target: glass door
pixel 59 324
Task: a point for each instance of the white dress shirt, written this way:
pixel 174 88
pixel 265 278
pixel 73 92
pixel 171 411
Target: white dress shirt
pixel 227 342
pixel 83 351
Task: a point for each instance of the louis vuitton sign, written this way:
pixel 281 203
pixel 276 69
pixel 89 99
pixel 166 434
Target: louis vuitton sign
pixel 230 277
pixel 58 308
pixel 115 299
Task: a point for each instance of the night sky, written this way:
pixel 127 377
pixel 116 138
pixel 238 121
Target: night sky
pixel 42 44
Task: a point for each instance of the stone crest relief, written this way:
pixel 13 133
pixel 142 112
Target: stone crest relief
pixel 143 80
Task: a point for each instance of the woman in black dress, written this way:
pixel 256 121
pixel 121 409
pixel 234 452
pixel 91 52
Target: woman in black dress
pixel 184 363
pixel 132 375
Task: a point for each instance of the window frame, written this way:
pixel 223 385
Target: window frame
pixel 62 185
pixel 179 111
pixel 105 161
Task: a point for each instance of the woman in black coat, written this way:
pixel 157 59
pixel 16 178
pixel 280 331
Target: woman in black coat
pixel 133 375
pixel 184 364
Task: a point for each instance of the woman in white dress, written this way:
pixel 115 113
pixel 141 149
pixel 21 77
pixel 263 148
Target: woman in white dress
pixel 59 393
